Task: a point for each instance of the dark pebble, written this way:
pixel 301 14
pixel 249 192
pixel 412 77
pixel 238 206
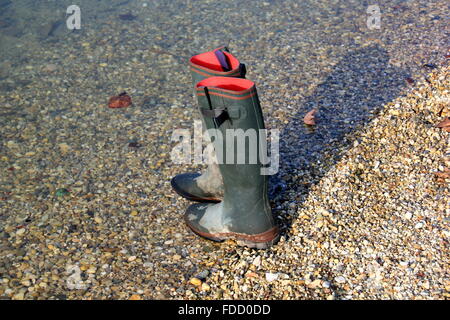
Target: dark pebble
pixel 430 65
pixel 90 213
pixel 134 145
pixel 127 17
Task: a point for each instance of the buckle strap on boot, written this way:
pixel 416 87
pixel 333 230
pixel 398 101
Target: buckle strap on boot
pixel 222 58
pixel 219 115
pixel 242 70
pixel 224 63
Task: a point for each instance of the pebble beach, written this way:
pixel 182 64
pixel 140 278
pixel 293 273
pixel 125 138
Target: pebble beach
pixel 362 197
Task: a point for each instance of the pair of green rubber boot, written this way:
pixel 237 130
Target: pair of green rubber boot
pixel 234 196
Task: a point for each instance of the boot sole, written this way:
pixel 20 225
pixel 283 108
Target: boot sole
pixel 191 197
pixel 258 241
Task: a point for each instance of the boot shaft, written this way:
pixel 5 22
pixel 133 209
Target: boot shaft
pixel 231 111
pixel 231 106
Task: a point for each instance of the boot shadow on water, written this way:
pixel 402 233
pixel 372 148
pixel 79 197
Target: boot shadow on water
pixel 349 97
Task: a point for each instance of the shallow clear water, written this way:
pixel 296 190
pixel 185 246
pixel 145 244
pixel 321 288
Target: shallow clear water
pixel 302 55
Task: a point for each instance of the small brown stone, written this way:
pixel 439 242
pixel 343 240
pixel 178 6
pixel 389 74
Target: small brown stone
pixel 123 100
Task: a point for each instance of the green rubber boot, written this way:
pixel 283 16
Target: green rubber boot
pixel 244 214
pixel 208 186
